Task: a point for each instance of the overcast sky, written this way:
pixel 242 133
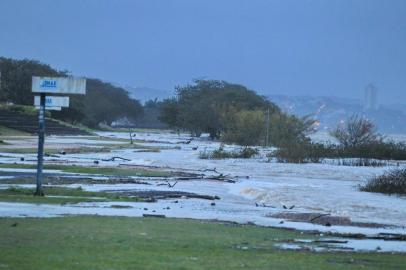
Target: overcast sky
pixel 288 47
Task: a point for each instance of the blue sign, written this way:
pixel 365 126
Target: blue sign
pixel 48 84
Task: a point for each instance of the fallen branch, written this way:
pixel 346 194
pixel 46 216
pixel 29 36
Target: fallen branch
pixel 171 186
pixel 319 216
pixel 114 158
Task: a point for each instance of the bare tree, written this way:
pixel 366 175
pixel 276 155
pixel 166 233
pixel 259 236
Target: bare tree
pixel 356 132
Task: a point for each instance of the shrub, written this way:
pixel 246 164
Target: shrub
pixel 363 155
pixel 392 182
pixel 358 162
pixel 287 130
pixel 356 132
pixel 220 153
pixel 299 153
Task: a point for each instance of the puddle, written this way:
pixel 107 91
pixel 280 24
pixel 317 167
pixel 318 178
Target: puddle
pixel 344 245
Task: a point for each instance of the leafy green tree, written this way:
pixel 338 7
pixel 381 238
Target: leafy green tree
pixel 245 128
pixel 206 105
pixel 287 129
pixel 102 103
pixel 170 113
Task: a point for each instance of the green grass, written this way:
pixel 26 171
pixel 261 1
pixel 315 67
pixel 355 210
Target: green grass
pixel 59 195
pixel 91 242
pixel 95 170
pixel 105 148
pixel 78 126
pixel 5 131
pixel 24 109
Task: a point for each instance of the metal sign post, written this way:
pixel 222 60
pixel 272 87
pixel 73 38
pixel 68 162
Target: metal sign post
pixel 54 85
pixel 41 141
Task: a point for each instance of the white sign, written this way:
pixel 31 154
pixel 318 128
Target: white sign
pixel 52 101
pixel 59 85
pixel 50 108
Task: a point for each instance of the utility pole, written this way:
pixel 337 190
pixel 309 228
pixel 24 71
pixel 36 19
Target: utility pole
pixel 41 140
pixel 131 136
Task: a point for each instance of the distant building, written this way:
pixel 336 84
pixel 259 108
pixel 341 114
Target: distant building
pixel 371 98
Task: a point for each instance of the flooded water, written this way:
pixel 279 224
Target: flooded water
pixel 261 189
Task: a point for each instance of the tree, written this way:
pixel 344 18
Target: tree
pixel 169 113
pixel 357 131
pixel 245 128
pixel 288 130
pixel 206 105
pixel 102 103
pixel 16 79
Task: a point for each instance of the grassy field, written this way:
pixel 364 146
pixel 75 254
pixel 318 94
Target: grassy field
pixel 96 170
pixel 5 131
pixel 60 195
pixel 91 242
pixel 103 148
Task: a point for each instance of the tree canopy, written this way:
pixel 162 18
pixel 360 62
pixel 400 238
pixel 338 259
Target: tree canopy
pixel 232 113
pixel 208 105
pixel 103 102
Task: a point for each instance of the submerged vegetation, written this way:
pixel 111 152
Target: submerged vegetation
pixel 358 141
pixel 220 153
pixel 392 182
pixel 367 155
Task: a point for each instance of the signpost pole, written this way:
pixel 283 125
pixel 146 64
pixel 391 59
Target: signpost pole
pixel 41 139
pixel 52 85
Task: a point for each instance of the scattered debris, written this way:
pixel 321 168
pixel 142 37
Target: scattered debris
pixel 171 186
pixel 162 194
pixel 263 205
pixel 323 219
pixel 120 206
pixel 114 159
pixel 185 142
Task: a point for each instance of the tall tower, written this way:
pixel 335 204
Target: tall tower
pixel 371 98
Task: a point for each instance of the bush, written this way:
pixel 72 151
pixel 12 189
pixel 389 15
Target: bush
pixel 287 130
pixel 356 132
pixel 392 182
pixel 358 162
pixel 364 155
pixel 299 153
pixel 220 153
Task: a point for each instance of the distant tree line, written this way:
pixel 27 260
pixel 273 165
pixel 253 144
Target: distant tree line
pixel 103 102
